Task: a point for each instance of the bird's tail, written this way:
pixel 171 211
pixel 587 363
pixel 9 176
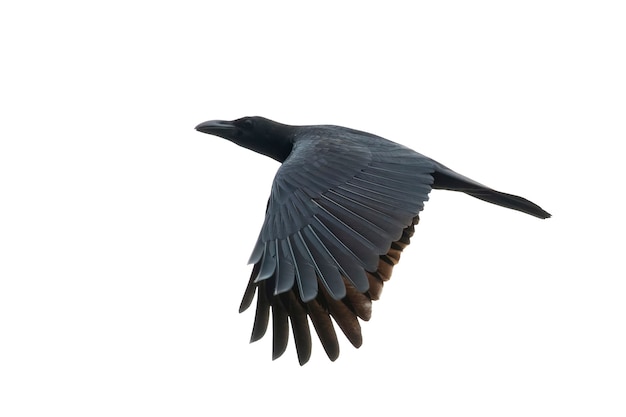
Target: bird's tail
pixel 446 179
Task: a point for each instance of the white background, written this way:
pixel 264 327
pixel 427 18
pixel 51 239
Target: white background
pixel 124 233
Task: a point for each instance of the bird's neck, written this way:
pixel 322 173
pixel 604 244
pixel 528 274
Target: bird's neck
pixel 277 144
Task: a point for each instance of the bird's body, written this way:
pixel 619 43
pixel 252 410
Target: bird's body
pixel 342 208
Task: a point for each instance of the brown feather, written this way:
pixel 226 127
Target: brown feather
pixel 345 319
pixel 324 327
pixel 360 303
pixel 299 325
pixel 376 285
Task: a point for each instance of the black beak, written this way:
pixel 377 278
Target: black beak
pixel 216 127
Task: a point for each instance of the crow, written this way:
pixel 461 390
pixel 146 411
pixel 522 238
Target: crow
pixel 342 208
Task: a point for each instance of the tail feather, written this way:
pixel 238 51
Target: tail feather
pixel 446 179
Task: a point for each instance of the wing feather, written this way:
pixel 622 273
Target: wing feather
pixel 280 330
pixel 268 263
pixel 262 316
pixel 326 268
pixel 285 274
pixel 299 326
pixel 324 328
pixel 305 268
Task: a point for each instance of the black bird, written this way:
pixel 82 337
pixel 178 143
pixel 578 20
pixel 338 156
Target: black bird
pixel 342 208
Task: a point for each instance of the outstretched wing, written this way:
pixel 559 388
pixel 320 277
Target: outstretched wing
pixel 341 210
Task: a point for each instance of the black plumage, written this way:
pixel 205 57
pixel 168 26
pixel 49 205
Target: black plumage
pixel 342 208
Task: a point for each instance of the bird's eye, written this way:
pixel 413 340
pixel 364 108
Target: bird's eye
pixel 249 123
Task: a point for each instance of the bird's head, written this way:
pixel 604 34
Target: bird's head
pixel 259 134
